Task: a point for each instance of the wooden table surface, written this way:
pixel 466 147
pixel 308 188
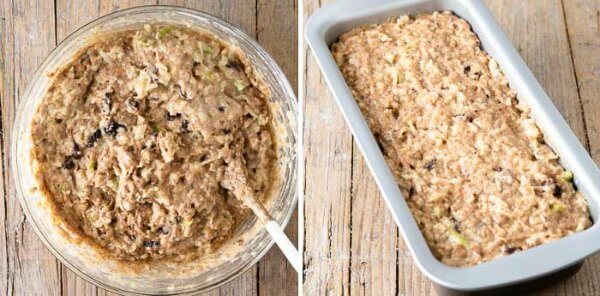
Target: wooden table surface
pixel 29 30
pixel 352 245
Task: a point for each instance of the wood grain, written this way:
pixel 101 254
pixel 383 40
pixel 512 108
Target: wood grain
pixel 276 30
pixel 37 27
pixel 560 43
pixel 31 268
pixel 3 82
pixel 582 19
pixel 328 182
pixel 374 235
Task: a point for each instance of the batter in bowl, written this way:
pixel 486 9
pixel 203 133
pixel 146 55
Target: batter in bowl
pixel 133 139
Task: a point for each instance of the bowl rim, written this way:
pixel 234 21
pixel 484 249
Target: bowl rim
pixel 273 67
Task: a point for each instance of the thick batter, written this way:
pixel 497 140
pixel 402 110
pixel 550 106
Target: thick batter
pixel 134 138
pixel 471 163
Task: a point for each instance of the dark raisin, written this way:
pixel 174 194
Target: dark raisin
pixel 221 109
pixel 76 151
pixel 411 191
pixel 225 131
pixel 395 113
pixel 381 147
pixel 182 93
pixel 151 244
pixel 455 223
pixel 537 191
pixel 430 165
pixel 223 191
pixel 68 163
pixel 171 117
pixel 235 65
pixel 106 103
pixel 184 127
pixel 510 249
pixel 132 104
pixel 467 69
pixel 85 57
pixel 112 127
pixel 91 140
pixel 379 143
pixel 58 120
pixel 557 192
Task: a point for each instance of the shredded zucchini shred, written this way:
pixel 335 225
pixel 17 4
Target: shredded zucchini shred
pixel 566 176
pixel 458 238
pixel 92 165
pixel 557 208
pixel 164 31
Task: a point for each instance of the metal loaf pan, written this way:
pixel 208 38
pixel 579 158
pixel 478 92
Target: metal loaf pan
pixel 516 273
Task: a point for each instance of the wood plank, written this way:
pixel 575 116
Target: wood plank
pixel 276 23
pixel 72 284
pixel 4 272
pixel 582 19
pixel 72 15
pixel 374 236
pixel 328 182
pixel 410 279
pixel 32 270
pixel 277 27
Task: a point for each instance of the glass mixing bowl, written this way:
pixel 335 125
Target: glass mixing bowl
pixel 249 243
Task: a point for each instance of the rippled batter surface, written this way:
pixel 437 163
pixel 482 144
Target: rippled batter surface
pixel 470 161
pixel 134 137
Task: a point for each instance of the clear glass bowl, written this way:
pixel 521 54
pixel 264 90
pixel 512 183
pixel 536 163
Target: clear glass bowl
pixel 247 246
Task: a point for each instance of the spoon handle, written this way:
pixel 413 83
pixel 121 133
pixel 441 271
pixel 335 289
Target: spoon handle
pixel 285 245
